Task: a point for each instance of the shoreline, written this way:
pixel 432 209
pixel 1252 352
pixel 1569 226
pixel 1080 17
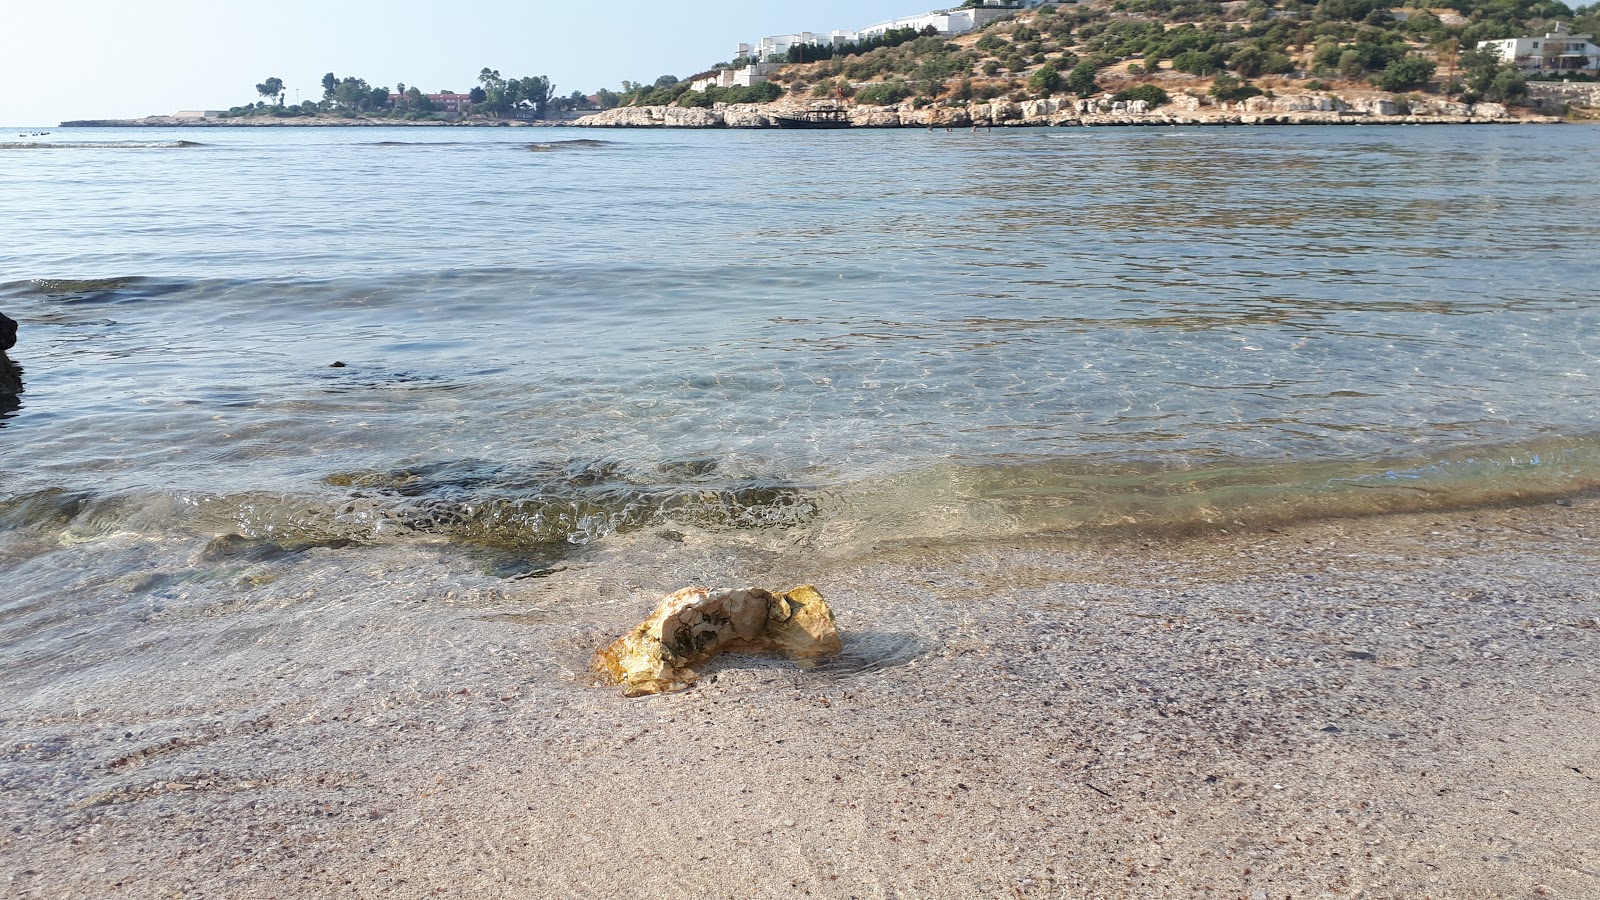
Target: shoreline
pixel 666 121
pixel 1184 110
pixel 300 122
pixel 1398 705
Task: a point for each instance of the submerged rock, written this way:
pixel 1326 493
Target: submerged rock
pixel 695 624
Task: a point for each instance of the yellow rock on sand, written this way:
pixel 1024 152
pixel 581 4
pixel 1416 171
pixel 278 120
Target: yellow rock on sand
pixel 695 624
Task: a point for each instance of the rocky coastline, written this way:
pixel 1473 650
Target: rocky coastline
pixel 1185 109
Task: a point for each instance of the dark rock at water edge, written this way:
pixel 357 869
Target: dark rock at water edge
pixel 8 332
pixel 10 384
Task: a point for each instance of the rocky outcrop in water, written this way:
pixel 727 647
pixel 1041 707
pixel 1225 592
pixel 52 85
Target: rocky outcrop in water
pixel 10 372
pixel 695 624
pixel 10 383
pixel 1184 109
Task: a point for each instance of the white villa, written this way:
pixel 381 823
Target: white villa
pixel 944 21
pixel 1556 51
pixel 949 22
pixel 753 74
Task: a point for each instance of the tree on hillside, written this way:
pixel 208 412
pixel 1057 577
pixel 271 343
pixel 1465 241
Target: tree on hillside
pixel 1045 81
pixel 1405 74
pixel 934 71
pixel 1229 89
pixel 1081 79
pixel 272 87
pixel 330 83
pixel 1488 77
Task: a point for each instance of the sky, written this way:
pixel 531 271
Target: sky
pixel 100 59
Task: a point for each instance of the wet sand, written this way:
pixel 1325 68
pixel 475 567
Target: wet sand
pixel 1387 707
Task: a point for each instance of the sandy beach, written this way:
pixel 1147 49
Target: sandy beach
pixel 1381 707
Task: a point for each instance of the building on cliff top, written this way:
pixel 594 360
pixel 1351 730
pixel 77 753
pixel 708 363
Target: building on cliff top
pixel 1556 51
pixel 770 52
pixel 947 22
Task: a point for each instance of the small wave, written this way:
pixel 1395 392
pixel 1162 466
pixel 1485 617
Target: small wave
pixel 575 144
pixel 532 516
pixel 117 289
pixel 522 507
pixel 98 145
pixel 83 285
pixel 1131 498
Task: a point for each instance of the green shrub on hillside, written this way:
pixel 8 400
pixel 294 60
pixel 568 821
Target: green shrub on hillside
pixel 1198 62
pixel 1149 93
pixel 1045 81
pixel 1229 89
pixel 884 93
pixel 1405 74
pixel 1081 80
pixel 766 92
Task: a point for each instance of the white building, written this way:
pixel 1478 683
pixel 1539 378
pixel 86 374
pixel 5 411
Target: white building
pixel 1556 51
pixel 748 76
pixel 769 52
pixel 947 22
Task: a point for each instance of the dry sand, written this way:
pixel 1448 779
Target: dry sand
pixel 1386 707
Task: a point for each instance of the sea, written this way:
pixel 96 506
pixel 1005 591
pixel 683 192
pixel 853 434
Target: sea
pixel 520 344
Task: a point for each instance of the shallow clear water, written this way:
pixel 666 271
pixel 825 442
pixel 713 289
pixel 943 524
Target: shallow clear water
pixel 552 334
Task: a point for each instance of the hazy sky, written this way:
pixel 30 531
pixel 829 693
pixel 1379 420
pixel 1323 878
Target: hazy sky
pixel 82 59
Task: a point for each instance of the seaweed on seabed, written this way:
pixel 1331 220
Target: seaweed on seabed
pixel 530 518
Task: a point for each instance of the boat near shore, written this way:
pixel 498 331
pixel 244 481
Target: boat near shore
pixel 815 118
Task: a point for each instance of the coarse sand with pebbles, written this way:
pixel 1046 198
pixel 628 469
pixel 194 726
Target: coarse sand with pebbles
pixel 1383 707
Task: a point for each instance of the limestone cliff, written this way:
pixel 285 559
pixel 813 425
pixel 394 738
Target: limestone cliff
pixel 1184 109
